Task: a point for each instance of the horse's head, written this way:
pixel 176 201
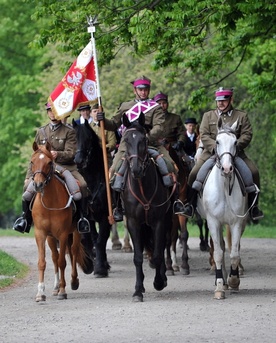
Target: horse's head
pixel 136 145
pixel 226 147
pixel 42 165
pixel 87 139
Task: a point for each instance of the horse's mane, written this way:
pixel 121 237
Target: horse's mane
pixel 85 133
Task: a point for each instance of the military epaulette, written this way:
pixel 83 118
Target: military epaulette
pixel 69 125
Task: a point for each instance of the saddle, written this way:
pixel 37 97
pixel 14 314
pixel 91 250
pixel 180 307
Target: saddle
pixel 242 172
pixel 63 175
pixel 166 170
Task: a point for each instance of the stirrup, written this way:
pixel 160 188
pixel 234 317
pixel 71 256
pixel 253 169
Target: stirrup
pixel 20 227
pixel 118 215
pixel 189 211
pixel 178 203
pixel 259 215
pixel 86 225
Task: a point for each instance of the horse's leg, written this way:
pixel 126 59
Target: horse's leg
pixel 158 259
pixel 233 278
pixel 75 250
pixel 134 230
pixel 217 236
pixel 116 243
pixel 40 238
pixel 62 265
pixel 206 236
pixel 52 242
pixel 170 242
pixel 184 236
pixel 127 246
pixel 211 256
pixel 101 265
pixel 229 245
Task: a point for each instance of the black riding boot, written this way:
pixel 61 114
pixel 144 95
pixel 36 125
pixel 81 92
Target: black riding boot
pixel 24 223
pixel 255 212
pixel 190 207
pixel 118 214
pixel 178 206
pixel 82 213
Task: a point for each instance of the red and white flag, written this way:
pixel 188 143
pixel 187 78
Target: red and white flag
pixel 78 86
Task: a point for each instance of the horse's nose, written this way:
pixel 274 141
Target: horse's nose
pixel 227 169
pixel 38 186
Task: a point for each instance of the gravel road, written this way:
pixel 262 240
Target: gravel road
pixel 101 311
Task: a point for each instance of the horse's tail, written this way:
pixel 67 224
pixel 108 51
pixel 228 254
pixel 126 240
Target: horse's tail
pixel 83 259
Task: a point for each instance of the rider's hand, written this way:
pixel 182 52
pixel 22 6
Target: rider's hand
pixel 100 116
pixel 179 145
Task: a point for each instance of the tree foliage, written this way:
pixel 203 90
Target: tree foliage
pixel 212 38
pixel 188 48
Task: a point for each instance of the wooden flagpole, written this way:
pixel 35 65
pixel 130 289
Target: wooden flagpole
pixel 91 22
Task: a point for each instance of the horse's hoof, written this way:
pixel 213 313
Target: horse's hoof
pixel 185 271
pixel 176 268
pixel 137 299
pixel 55 292
pixel 233 282
pixel 170 272
pixel 127 249
pixel 117 246
pixel 100 275
pixel 160 287
pixel 62 296
pixel 40 298
pixel 75 285
pixel 219 295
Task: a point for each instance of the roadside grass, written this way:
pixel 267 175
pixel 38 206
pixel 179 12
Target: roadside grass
pixel 10 270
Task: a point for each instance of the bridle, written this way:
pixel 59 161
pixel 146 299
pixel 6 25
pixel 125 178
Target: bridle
pixel 219 157
pixel 144 160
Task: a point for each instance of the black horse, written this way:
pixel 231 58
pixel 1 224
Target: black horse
pixel 89 159
pixel 147 206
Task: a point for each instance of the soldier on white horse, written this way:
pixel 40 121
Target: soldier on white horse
pixel 208 133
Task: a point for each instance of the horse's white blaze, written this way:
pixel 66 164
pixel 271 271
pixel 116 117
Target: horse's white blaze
pixel 41 156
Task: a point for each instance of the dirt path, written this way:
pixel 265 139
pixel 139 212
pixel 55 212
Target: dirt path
pixel 101 311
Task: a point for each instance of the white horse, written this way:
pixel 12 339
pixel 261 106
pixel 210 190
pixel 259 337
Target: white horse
pixel 222 202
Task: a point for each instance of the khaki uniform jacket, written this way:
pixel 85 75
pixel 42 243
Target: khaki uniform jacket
pixel 174 129
pixel 63 140
pixel 208 130
pixel 208 133
pixel 154 118
pixel 110 139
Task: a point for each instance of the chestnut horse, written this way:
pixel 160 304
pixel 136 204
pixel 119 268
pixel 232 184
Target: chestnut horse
pixel 52 214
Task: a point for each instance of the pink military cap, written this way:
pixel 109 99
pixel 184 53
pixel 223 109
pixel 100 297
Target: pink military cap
pixel 160 96
pixel 224 94
pixel 141 82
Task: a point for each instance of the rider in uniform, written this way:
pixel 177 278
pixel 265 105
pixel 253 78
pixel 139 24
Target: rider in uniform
pixel 63 142
pixel 208 133
pixel 154 121
pixel 174 133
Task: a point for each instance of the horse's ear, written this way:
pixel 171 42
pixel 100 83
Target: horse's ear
pixel 48 146
pixel 142 119
pixel 220 124
pixel 126 121
pixel 234 126
pixel 35 146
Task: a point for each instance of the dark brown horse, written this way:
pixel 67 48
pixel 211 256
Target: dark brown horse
pixel 179 228
pixel 52 213
pixel 147 207
pixel 89 158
